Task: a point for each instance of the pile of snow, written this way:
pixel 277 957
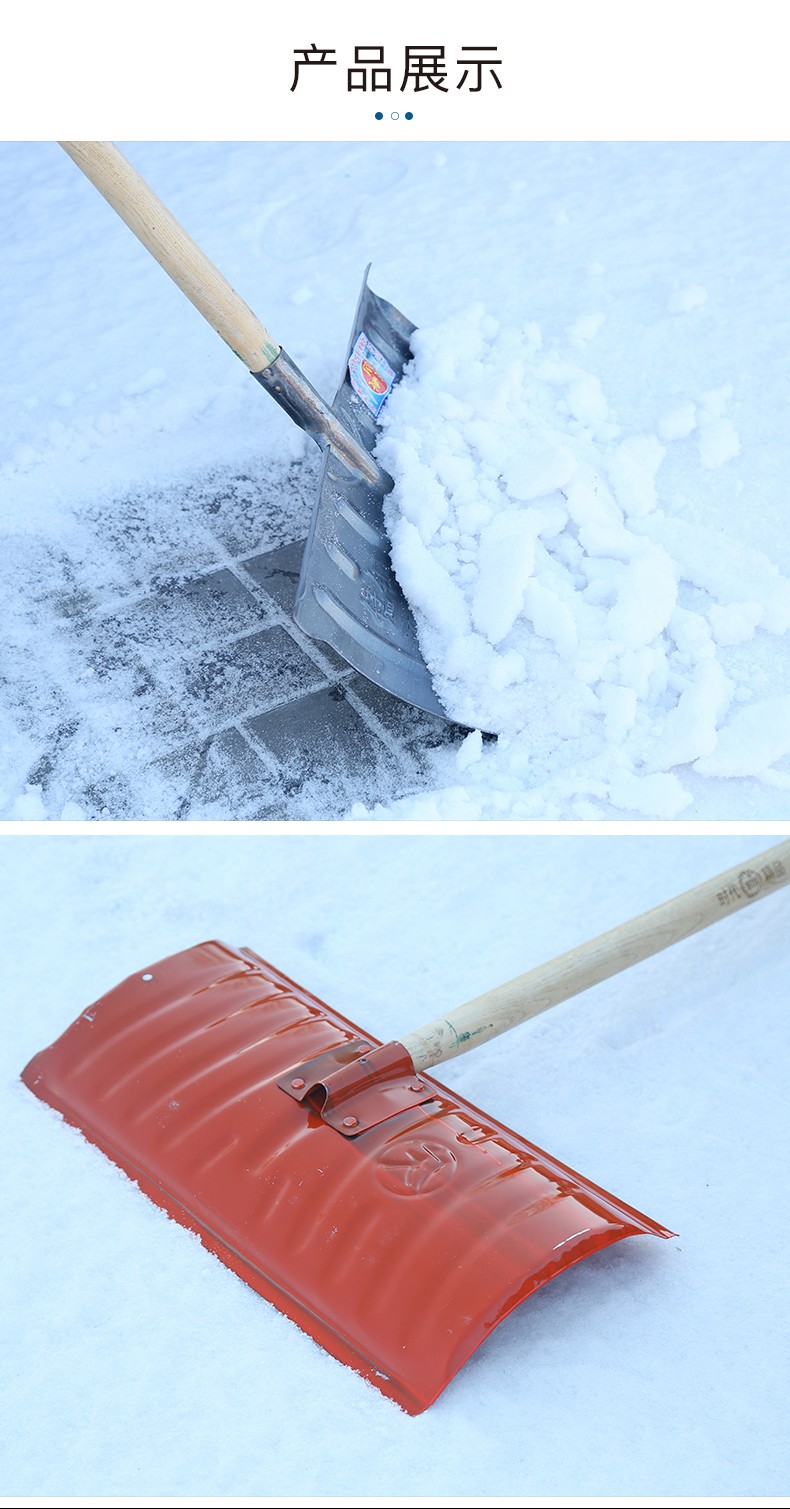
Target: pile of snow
pixel 561 600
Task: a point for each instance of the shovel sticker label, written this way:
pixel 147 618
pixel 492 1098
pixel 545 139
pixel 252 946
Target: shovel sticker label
pixel 370 373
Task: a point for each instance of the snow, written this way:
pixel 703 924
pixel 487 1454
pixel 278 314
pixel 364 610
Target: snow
pixel 135 1365
pixel 541 554
pixel 684 299
pixel 591 451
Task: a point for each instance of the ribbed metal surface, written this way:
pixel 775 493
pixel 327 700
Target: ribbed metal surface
pixel 348 594
pixel 398 1250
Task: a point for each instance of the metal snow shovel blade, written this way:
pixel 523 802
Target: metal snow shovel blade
pixel 393 1220
pixel 348 594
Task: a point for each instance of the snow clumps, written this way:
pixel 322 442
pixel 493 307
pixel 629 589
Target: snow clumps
pixel 559 601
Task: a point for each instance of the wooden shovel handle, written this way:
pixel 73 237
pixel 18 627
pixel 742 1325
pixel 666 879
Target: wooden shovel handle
pixel 529 994
pixel 175 251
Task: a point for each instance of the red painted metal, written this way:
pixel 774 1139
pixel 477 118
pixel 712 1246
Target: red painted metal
pixel 355 1087
pixel 399 1241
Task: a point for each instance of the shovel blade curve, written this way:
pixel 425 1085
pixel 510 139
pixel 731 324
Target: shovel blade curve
pixel 398 1247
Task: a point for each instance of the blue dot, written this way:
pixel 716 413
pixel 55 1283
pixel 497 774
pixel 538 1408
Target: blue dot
pixel 409 115
pixel 379 115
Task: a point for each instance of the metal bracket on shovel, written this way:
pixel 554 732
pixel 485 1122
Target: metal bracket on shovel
pixel 355 1086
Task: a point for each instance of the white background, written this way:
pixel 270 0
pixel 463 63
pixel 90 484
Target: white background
pixel 613 70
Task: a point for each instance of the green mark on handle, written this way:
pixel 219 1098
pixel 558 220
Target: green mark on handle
pixel 460 1037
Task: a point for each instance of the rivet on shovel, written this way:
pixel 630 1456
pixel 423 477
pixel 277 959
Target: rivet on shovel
pixel 431 1221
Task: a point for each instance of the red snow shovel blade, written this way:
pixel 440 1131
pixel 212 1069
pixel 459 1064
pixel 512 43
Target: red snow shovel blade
pixel 391 1219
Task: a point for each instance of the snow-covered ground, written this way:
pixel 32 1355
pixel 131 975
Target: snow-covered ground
pixel 136 1365
pixel 617 319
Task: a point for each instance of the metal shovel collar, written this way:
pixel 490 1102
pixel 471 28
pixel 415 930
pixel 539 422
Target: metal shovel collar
pixel 391 1219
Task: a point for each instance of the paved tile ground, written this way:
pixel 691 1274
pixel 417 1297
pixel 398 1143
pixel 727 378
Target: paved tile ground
pixel 175 683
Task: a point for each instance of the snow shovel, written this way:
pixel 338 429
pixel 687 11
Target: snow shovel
pixel 348 595
pixel 394 1221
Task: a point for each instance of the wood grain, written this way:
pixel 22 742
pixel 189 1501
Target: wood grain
pixel 588 964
